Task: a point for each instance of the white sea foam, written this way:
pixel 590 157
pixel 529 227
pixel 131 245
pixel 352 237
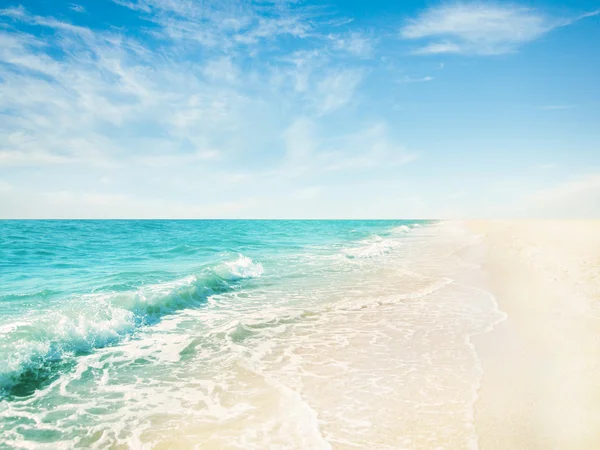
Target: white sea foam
pixel 403 228
pixel 244 267
pixel 372 247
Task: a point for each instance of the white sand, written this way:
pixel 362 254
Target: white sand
pixel 541 387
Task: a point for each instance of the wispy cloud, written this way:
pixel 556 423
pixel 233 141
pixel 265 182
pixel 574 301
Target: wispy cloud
pixel 203 107
pixel 86 96
pixel 190 102
pixel 224 23
pixel 479 28
pixel 336 89
pixel 439 47
pixel 77 8
pixel 368 148
pixel 408 79
pixel 354 43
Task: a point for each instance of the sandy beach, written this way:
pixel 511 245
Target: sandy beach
pixel 541 385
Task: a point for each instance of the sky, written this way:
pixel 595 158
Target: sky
pixel 299 109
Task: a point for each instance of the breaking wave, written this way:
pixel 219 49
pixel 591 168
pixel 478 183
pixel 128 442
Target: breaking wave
pixel 33 350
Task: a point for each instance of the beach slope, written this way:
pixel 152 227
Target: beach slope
pixel 541 384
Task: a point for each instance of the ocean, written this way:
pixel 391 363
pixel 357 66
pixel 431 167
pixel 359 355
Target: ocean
pixel 239 334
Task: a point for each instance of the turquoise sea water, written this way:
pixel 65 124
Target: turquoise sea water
pixel 122 334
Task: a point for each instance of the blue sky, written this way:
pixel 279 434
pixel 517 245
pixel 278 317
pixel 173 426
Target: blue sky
pixel 185 108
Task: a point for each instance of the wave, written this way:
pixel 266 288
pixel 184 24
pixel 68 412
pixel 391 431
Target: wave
pixel 243 267
pixel 372 247
pixel 403 228
pixel 378 245
pixel 31 351
pixel 25 296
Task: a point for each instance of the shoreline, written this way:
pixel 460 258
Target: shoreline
pixel 541 364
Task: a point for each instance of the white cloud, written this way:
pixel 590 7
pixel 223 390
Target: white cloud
pixel 221 69
pixel 365 149
pixel 336 89
pixel 354 43
pixel 439 47
pixel 408 79
pixel 82 104
pixel 77 8
pixel 209 103
pixel 304 64
pixel 479 28
pixel 223 23
pixel 191 105
pixel 98 97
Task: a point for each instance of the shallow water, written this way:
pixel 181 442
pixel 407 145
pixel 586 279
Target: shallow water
pixel 239 334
